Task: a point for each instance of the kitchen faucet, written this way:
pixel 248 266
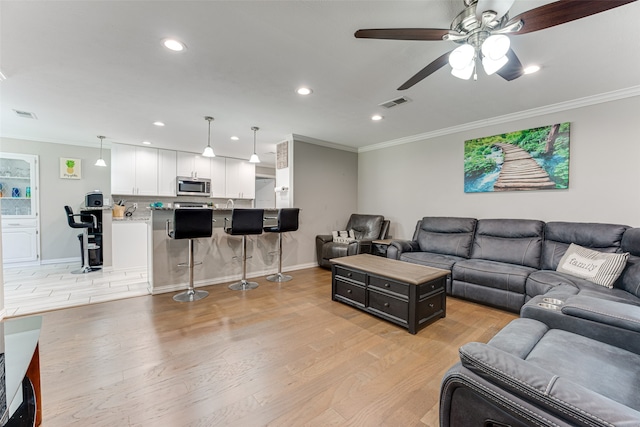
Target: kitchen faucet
pixel 229 201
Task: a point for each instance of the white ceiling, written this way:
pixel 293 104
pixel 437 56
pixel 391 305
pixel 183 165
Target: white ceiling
pixel 89 68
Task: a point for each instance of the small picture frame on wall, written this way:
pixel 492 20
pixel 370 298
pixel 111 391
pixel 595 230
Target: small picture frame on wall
pixel 70 168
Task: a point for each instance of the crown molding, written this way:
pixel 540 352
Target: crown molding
pixel 534 112
pixel 309 140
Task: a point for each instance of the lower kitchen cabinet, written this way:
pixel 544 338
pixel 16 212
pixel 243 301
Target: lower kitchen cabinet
pixel 129 244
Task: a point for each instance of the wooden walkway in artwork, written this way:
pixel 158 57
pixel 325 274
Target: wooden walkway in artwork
pixel 520 171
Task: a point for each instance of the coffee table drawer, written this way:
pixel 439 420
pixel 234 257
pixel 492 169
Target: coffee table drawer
pixel 389 305
pixel 389 285
pixel 350 291
pixel 432 306
pixel 358 276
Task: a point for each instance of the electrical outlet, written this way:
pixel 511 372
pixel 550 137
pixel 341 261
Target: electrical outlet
pixel 135 206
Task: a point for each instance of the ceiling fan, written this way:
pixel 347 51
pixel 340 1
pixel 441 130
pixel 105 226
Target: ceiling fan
pixel 480 30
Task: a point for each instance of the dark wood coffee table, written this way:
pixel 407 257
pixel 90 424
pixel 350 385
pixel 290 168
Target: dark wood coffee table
pixel 406 294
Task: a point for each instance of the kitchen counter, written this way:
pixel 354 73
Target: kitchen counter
pixel 133 219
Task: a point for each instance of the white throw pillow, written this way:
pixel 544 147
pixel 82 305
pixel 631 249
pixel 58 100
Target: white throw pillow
pixel 597 267
pixel 343 236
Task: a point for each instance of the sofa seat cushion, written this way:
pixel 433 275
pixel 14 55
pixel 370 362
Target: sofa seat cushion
pixel 559 285
pixel 428 259
pixel 497 275
pixel 583 377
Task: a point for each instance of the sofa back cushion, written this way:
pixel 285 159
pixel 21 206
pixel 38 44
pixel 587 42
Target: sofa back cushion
pixel 630 278
pixel 559 235
pixel 367 227
pixel 514 241
pixel 446 235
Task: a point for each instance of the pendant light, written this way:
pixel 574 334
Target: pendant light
pixel 208 151
pixel 254 157
pixel 100 161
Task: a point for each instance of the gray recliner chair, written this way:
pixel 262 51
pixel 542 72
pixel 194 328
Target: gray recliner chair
pixel 367 228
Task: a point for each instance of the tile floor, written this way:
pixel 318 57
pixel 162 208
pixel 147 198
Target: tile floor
pixel 29 290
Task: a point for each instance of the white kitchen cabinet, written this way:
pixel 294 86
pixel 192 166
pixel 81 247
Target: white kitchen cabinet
pixel 167 173
pixel 134 170
pixel 129 244
pixel 240 179
pixel 19 242
pixel 218 177
pixel 193 165
pixel 19 184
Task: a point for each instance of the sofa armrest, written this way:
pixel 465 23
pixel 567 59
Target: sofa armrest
pixel 555 394
pixel 625 316
pixel 398 247
pixel 362 246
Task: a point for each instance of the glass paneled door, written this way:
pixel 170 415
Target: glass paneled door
pixel 18 185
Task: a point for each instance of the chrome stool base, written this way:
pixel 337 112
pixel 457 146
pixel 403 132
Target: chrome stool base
pixel 190 295
pixel 279 277
pixel 243 285
pixel 86 269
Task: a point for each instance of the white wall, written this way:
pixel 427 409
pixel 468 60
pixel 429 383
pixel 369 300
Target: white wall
pixel 57 239
pixel 425 178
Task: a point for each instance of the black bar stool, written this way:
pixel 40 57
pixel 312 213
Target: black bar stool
pixel 244 222
pixel 190 223
pixel 287 221
pixel 71 219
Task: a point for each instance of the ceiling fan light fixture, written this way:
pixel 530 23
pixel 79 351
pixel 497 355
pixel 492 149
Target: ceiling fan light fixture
pixel 464 73
pixel 491 66
pixel 495 47
pixel 208 151
pixel 462 57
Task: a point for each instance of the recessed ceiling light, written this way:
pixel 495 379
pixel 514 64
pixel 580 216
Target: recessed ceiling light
pixel 532 69
pixel 158 124
pixel 304 91
pixel 376 117
pixel 234 138
pixel 174 45
pixel 146 142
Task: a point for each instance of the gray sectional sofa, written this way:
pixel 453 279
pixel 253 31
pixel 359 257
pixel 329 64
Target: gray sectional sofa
pixel 573 358
pixel 507 262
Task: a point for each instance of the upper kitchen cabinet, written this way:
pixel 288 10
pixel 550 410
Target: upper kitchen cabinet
pixel 240 179
pixel 193 165
pixel 167 173
pixel 218 177
pixel 134 170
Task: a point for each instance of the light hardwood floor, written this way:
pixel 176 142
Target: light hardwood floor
pixel 279 355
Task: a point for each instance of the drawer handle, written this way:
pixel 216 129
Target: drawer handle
pixel 386 304
pixel 348 291
pixel 430 305
pixel 433 286
pixel 386 285
pixel 349 274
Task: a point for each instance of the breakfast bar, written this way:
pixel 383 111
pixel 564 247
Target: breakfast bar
pixel 220 256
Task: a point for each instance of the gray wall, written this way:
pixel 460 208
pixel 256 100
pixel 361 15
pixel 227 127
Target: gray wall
pixel 325 187
pixel 426 178
pixel 57 240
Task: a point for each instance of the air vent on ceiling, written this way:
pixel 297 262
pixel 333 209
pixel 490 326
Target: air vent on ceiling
pixel 394 102
pixel 25 114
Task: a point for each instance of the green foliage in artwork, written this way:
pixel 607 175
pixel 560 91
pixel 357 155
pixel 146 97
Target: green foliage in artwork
pixel 479 161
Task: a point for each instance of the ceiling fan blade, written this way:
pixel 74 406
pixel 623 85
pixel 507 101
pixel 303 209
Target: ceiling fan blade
pixel 562 11
pixel 433 34
pixel 513 69
pixel 500 7
pixel 426 71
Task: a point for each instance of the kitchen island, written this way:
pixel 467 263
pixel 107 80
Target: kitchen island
pixel 220 255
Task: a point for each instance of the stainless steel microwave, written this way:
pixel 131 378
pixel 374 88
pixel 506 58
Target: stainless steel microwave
pixel 187 186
